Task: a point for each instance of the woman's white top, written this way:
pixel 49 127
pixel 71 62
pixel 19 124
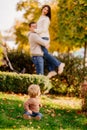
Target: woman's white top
pixel 43 26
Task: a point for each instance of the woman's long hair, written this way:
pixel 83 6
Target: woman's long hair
pixel 49 11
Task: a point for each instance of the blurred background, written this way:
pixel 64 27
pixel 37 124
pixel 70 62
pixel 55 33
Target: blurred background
pixel 68 28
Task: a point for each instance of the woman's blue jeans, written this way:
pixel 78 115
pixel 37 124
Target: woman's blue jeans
pixel 39 64
pixel 51 60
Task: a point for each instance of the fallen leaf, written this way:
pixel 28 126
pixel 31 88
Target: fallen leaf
pixel 53 114
pixel 30 122
pixel 19 105
pixel 14 126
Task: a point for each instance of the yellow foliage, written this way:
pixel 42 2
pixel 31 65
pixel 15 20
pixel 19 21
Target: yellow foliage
pixel 54 28
pixel 24 48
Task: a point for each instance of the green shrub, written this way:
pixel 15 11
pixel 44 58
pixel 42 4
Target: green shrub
pixel 20 62
pixel 18 83
pixel 69 82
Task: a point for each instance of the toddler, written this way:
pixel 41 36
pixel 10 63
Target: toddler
pixel 32 105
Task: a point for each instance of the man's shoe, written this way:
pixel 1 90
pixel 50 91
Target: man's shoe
pixel 60 68
pixel 51 74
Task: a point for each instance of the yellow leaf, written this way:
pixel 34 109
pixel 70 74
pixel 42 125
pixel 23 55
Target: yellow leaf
pixel 19 105
pixel 53 114
pixel 14 126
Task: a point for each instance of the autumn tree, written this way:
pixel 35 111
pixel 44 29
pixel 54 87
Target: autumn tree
pixel 31 11
pixel 21 30
pixel 54 28
pixel 72 24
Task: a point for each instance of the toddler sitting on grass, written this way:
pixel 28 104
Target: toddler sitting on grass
pixel 32 105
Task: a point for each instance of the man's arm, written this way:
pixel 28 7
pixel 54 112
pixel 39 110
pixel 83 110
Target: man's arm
pixel 40 41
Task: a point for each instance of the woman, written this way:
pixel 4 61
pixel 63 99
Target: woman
pixel 43 30
pixel 43 24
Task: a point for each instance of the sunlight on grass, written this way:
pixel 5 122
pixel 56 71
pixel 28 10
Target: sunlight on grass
pixel 63 102
pixel 59 113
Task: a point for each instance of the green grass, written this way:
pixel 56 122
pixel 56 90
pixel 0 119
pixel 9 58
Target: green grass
pixel 59 113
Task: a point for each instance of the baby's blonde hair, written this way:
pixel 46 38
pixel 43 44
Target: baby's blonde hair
pixel 34 90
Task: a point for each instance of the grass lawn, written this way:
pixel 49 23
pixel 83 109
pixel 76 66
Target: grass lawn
pixel 59 113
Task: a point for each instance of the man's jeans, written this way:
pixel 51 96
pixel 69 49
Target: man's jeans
pixel 39 64
pixel 51 60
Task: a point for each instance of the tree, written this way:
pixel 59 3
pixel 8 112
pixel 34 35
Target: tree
pixel 21 30
pixel 72 23
pixel 54 28
pixel 31 12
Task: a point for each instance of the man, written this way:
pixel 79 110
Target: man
pixel 37 54
pixel 35 48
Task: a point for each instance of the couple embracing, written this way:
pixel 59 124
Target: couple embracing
pixel 39 40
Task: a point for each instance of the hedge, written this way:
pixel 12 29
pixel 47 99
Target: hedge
pixel 18 83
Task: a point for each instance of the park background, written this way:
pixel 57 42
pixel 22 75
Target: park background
pixel 68 33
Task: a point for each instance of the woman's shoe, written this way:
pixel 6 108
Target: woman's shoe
pixel 60 68
pixel 51 74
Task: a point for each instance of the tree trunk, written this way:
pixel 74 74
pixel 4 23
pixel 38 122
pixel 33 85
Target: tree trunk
pixel 84 84
pixel 85 55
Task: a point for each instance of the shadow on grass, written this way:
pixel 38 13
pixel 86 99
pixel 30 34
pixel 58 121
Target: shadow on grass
pixel 53 118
